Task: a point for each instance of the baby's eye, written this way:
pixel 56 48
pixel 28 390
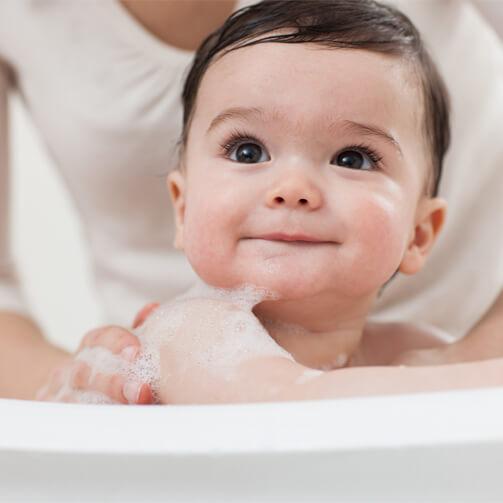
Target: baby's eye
pixel 245 150
pixel 362 159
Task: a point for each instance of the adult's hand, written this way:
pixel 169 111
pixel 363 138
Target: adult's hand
pixel 67 382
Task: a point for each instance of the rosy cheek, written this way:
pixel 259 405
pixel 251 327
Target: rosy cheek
pixel 377 237
pixel 207 240
pixel 216 205
pixel 198 244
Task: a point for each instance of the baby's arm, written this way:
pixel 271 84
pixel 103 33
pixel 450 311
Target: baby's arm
pixel 367 381
pixel 187 376
pixel 279 379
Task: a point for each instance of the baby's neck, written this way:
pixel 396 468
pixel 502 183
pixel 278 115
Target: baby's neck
pixel 317 334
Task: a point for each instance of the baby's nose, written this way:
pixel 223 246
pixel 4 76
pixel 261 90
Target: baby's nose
pixel 294 193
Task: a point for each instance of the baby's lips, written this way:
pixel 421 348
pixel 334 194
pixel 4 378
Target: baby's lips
pixel 144 314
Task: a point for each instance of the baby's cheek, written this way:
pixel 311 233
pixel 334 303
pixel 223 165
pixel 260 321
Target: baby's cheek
pixel 379 237
pixel 206 247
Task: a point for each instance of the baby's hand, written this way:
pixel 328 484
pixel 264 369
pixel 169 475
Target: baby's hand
pixel 68 382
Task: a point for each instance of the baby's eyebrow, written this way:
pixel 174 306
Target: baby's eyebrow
pixel 257 113
pixel 243 113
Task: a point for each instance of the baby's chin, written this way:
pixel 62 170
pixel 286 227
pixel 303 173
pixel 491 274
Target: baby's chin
pixel 279 285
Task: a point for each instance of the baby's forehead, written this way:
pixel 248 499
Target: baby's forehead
pixel 320 60
pixel 312 86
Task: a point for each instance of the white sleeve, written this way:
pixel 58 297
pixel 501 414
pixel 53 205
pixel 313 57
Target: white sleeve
pixel 492 11
pixel 11 297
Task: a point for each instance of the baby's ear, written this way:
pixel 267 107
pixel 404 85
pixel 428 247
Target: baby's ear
pixel 430 218
pixel 176 188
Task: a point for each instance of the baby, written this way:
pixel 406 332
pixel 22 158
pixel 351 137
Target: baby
pixel 313 138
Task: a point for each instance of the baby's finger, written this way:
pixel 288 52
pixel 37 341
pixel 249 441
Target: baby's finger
pixel 115 386
pixel 111 385
pixel 145 395
pixel 145 313
pixel 80 376
pixel 89 338
pixel 138 393
pixel 116 339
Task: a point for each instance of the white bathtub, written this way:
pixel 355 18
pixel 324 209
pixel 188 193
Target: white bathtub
pixel 443 446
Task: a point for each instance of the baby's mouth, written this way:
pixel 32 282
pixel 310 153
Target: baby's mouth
pixel 291 238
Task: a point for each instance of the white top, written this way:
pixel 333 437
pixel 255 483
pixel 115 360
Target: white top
pixel 105 96
pixel 464 274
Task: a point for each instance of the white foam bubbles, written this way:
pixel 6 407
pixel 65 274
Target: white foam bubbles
pixel 236 335
pixel 102 360
pixel 308 375
pixel 245 297
pixel 92 397
pixel 243 337
pixel 338 362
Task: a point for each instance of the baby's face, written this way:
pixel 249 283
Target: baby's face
pixel 296 204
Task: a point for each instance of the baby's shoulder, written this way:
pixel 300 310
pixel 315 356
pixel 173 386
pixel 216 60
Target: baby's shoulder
pixel 415 335
pixel 387 340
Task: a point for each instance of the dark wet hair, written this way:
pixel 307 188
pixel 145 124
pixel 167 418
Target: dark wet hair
pixel 341 24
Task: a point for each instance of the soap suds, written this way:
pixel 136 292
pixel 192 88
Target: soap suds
pixel 308 375
pixel 340 361
pixel 237 337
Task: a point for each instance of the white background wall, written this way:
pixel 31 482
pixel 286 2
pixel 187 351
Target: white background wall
pixel 47 241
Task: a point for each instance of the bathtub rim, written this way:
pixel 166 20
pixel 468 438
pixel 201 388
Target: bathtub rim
pixel 396 421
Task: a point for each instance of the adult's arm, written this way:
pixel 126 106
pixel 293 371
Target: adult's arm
pixel 26 357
